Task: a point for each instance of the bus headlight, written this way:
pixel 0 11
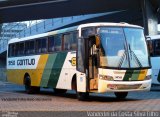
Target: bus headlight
pixel 148 77
pixel 106 77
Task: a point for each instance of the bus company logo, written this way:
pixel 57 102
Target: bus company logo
pixel 26 62
pixel 73 61
pixel 21 62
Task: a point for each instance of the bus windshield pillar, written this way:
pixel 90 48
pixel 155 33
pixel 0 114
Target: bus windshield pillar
pixel 150 18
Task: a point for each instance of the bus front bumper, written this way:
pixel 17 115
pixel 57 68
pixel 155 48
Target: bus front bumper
pixel 123 86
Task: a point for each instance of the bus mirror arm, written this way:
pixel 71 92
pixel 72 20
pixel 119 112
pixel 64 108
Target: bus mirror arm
pixel 147 38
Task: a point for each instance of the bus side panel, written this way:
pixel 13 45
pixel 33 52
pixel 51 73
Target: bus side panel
pixel 155 61
pixel 48 69
pixel 67 72
pixel 15 76
pixel 16 73
pixel 36 76
pixel 53 69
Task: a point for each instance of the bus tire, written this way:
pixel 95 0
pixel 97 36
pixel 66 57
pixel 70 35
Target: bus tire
pixel 82 96
pixel 121 95
pixel 28 88
pixel 59 91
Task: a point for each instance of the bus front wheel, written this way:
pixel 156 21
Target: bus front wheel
pixel 121 95
pixel 82 96
pixel 28 88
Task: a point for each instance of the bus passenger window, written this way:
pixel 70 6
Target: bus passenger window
pixel 44 45
pixel 51 44
pixel 157 47
pixel 17 49
pixel 74 40
pixel 27 48
pixel 38 46
pixel 67 42
pixel 10 49
pixel 150 47
pixel 31 47
pixel 88 32
pixel 58 42
pixel 21 49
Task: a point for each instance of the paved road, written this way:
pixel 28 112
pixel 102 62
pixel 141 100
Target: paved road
pixel 13 98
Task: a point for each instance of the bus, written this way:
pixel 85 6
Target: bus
pixel 88 58
pixel 154 49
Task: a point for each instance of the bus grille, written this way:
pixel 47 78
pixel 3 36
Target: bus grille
pixel 122 87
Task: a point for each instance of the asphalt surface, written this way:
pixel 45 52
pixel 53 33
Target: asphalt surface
pixel 13 98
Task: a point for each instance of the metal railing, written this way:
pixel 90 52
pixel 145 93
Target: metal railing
pixel 48 25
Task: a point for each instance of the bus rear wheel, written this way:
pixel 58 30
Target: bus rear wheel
pixel 121 95
pixel 82 96
pixel 30 89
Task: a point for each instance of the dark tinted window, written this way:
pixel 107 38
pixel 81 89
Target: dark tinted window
pixel 44 45
pixel 70 41
pixel 51 44
pixel 156 47
pixel 38 46
pixel 17 49
pixel 41 45
pixel 29 47
pixel 58 42
pixel 11 51
pixel 21 49
pixel 74 40
pixel 87 32
pixel 67 41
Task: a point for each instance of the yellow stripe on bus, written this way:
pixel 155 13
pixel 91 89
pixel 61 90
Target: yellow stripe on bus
pixel 142 74
pixel 39 70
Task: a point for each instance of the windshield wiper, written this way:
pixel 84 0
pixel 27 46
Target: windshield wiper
pixel 122 58
pixel 132 52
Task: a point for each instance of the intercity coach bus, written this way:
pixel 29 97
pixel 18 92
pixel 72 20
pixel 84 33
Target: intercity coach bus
pixel 93 57
pixel 154 49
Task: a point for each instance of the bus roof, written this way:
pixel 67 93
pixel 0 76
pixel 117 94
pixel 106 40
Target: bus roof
pixel 153 37
pixel 122 24
pixel 71 29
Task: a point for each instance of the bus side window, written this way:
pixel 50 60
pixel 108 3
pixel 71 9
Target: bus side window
pixel 44 45
pixel 38 46
pixel 58 42
pixel 31 47
pixel 88 32
pixel 27 48
pixel 17 49
pixel 21 49
pixel 51 44
pixel 66 41
pixel 156 47
pixel 70 41
pixel 10 50
pixel 150 47
pixel 74 40
pixel 13 50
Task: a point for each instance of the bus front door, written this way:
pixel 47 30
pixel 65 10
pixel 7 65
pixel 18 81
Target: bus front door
pixel 92 64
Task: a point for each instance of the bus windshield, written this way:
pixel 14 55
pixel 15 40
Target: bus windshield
pixel 123 47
